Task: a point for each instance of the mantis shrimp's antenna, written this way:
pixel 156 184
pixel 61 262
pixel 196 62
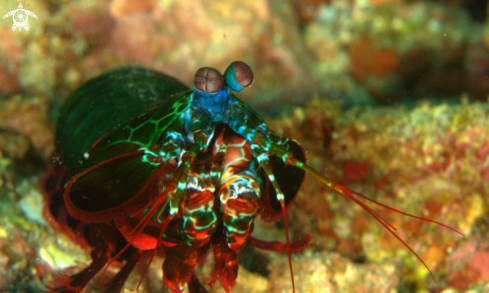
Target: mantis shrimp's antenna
pixel 352 195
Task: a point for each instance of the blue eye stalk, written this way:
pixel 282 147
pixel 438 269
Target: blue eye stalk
pixel 209 81
pixel 238 76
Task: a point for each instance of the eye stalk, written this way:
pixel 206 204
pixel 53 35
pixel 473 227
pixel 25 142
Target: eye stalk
pixel 208 81
pixel 238 76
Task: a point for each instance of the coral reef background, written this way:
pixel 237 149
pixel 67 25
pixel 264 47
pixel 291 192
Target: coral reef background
pixel 389 97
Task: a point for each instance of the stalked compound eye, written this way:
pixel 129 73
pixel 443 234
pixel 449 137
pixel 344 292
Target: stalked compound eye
pixel 208 81
pixel 238 76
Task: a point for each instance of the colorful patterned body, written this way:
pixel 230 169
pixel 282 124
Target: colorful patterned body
pixel 166 168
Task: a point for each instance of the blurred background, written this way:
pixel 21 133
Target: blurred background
pixel 389 97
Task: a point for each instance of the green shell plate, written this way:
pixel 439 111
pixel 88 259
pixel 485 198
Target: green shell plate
pixel 103 103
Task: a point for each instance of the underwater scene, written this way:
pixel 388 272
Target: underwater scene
pixel 244 146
